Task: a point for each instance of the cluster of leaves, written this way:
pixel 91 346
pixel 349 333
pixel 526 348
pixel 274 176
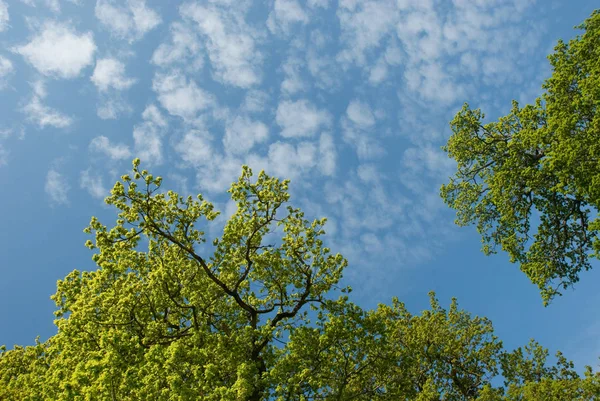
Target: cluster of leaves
pixel 530 181
pixel 253 321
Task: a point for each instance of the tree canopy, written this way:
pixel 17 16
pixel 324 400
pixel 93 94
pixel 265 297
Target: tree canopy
pixel 254 314
pixel 530 181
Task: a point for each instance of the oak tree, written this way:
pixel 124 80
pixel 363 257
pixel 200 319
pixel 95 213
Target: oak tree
pixel 530 181
pixel 254 314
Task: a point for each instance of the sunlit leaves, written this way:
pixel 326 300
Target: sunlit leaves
pixel 530 180
pixel 168 316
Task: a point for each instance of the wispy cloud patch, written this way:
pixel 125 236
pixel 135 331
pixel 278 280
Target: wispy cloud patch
pixel 285 13
pixel 45 116
pixel 59 51
pixel 365 24
pixel 196 148
pixel 322 65
pixel 112 107
pixel 110 78
pixel 129 20
pixel 42 115
pixel 360 114
pixel 293 81
pixel 327 155
pixel 6 69
pixel 110 73
pixel 116 151
pixel 301 118
pixel 431 41
pixel 57 188
pixel 53 5
pixel 3 155
pixel 425 162
pixel 214 171
pixel 242 133
pixel 289 161
pixel 4 16
pixel 93 184
pixel 147 136
pixel 180 96
pixel 230 43
pixel 358 130
pixel 184 48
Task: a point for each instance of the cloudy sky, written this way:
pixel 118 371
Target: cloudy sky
pixel 349 98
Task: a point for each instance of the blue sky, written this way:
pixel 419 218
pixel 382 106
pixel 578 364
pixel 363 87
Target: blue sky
pixel 350 99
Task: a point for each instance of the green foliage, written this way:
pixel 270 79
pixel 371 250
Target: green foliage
pixel 159 321
pixel 530 181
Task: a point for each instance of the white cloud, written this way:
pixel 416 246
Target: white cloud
pixel 301 118
pixel 366 146
pixel 214 171
pixel 288 161
pixel 110 73
pixel 3 156
pixel 6 133
pixel 6 69
pixel 116 151
pixel 39 89
pixel 433 83
pixel 360 114
pixel 367 203
pixel 378 72
pixel 93 184
pixel 111 107
pixel 4 16
pixel 372 243
pixel 147 136
pixel 130 21
pixel 218 176
pixel 241 134
pixel 57 188
pixel 179 96
pixel 42 115
pixel 184 48
pixel 45 116
pixel 284 14
pixel 358 130
pixel 109 77
pixel 53 5
pixel 364 206
pixel 327 155
pixel 419 162
pixel 293 82
pixel 364 25
pixel 324 68
pixel 153 115
pixel 438 46
pixel 196 148
pixel 368 173
pixel 181 183
pixel 230 43
pixel 469 62
pixel 59 51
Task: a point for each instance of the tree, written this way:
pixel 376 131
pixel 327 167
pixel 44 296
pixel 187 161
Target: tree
pixel 168 316
pixel 530 181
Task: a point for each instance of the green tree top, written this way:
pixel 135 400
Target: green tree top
pixel 167 317
pixel 530 181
